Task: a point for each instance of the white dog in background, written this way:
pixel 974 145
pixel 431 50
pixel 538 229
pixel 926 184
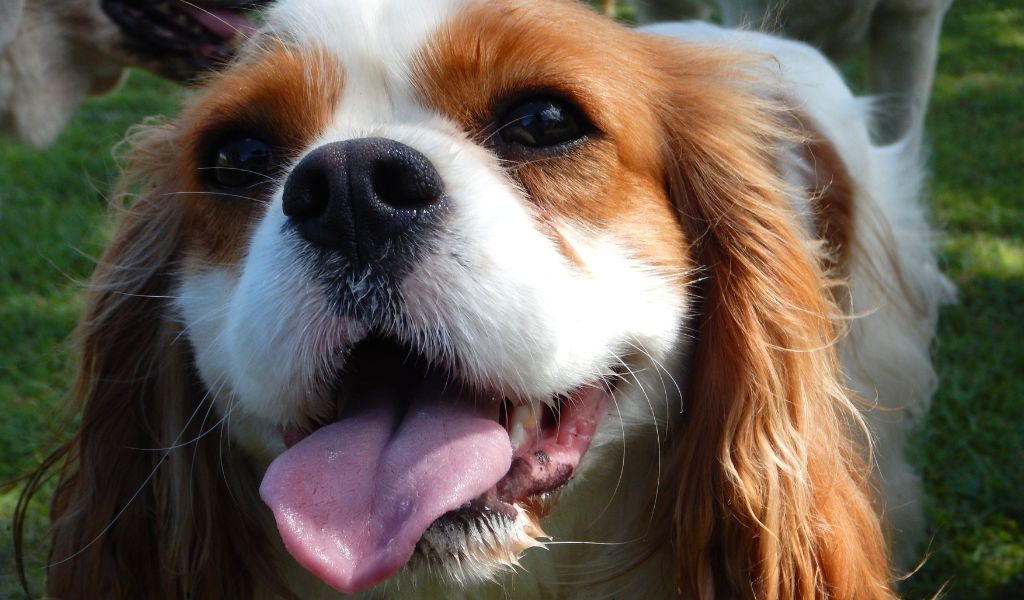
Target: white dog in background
pixel 54 54
pixel 902 37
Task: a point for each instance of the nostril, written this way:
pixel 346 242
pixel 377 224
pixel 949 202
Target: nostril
pixel 308 194
pixel 359 195
pixel 319 195
pixel 406 182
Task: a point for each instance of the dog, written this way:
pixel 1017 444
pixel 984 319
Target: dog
pixel 55 54
pixel 902 38
pixel 414 289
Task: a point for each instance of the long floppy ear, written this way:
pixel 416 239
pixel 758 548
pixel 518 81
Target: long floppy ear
pixel 771 496
pixel 147 505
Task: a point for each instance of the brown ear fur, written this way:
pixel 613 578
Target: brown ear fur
pixel 770 497
pixel 147 505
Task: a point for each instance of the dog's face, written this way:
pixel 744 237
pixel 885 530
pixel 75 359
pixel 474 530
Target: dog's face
pixel 445 270
pixel 430 256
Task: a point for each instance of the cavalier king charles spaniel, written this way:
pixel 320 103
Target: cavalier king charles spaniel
pixel 500 299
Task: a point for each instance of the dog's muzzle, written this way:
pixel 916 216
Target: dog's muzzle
pixel 368 199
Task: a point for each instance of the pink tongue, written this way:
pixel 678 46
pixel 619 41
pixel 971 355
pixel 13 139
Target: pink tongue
pixel 220 22
pixel 352 499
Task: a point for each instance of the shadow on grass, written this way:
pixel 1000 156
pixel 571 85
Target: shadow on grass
pixel 970 447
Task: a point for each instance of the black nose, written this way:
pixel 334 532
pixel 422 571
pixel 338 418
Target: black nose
pixel 357 195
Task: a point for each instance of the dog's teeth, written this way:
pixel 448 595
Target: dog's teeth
pixel 522 421
pixel 517 436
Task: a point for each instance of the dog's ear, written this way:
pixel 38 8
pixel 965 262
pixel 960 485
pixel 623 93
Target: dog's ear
pixel 771 498
pixel 146 505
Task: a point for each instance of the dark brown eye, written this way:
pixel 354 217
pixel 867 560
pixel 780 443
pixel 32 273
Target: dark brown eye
pixel 541 123
pixel 240 163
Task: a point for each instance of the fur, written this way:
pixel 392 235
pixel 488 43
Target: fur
pixel 732 248
pixel 901 37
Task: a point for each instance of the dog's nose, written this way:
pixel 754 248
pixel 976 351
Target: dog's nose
pixel 357 195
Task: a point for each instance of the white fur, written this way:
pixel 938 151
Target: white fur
pixel 901 37
pixel 499 301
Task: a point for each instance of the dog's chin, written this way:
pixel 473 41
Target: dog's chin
pixel 476 543
pixel 416 471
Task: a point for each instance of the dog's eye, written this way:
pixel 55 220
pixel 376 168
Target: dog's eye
pixel 541 123
pixel 241 163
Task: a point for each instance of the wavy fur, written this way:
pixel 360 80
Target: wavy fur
pixel 766 489
pixel 769 486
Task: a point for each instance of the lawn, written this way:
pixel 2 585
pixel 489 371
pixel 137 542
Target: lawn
pixel 971 448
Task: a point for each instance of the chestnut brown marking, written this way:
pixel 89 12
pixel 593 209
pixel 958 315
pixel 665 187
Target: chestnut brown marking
pixel 613 182
pixel 833 196
pixel 283 96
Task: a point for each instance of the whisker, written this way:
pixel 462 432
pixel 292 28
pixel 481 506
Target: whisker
pixel 233 27
pixel 215 193
pixel 622 462
pixel 268 178
pixel 658 439
pixel 135 495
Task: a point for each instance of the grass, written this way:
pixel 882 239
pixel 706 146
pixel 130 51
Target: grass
pixel 53 225
pixel 972 445
pixel 970 449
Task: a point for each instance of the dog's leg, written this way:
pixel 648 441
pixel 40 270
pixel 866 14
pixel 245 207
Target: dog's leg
pixel 10 18
pixel 901 67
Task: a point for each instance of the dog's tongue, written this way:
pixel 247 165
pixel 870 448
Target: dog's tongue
pixel 352 499
pixel 218 21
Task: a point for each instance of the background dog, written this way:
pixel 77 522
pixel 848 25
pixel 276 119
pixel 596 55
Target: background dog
pixel 901 36
pixel 55 53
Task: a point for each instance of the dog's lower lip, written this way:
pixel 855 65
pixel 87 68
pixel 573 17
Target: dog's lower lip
pixel 293 435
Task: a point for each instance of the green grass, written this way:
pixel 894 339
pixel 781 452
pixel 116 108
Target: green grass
pixel 970 449
pixel 53 225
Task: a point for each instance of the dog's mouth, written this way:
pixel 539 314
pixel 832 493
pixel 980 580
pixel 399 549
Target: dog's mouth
pixel 199 35
pixel 415 453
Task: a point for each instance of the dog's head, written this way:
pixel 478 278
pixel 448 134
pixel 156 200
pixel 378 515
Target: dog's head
pixel 177 39
pixel 431 261
pixel 54 54
pixel 426 272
